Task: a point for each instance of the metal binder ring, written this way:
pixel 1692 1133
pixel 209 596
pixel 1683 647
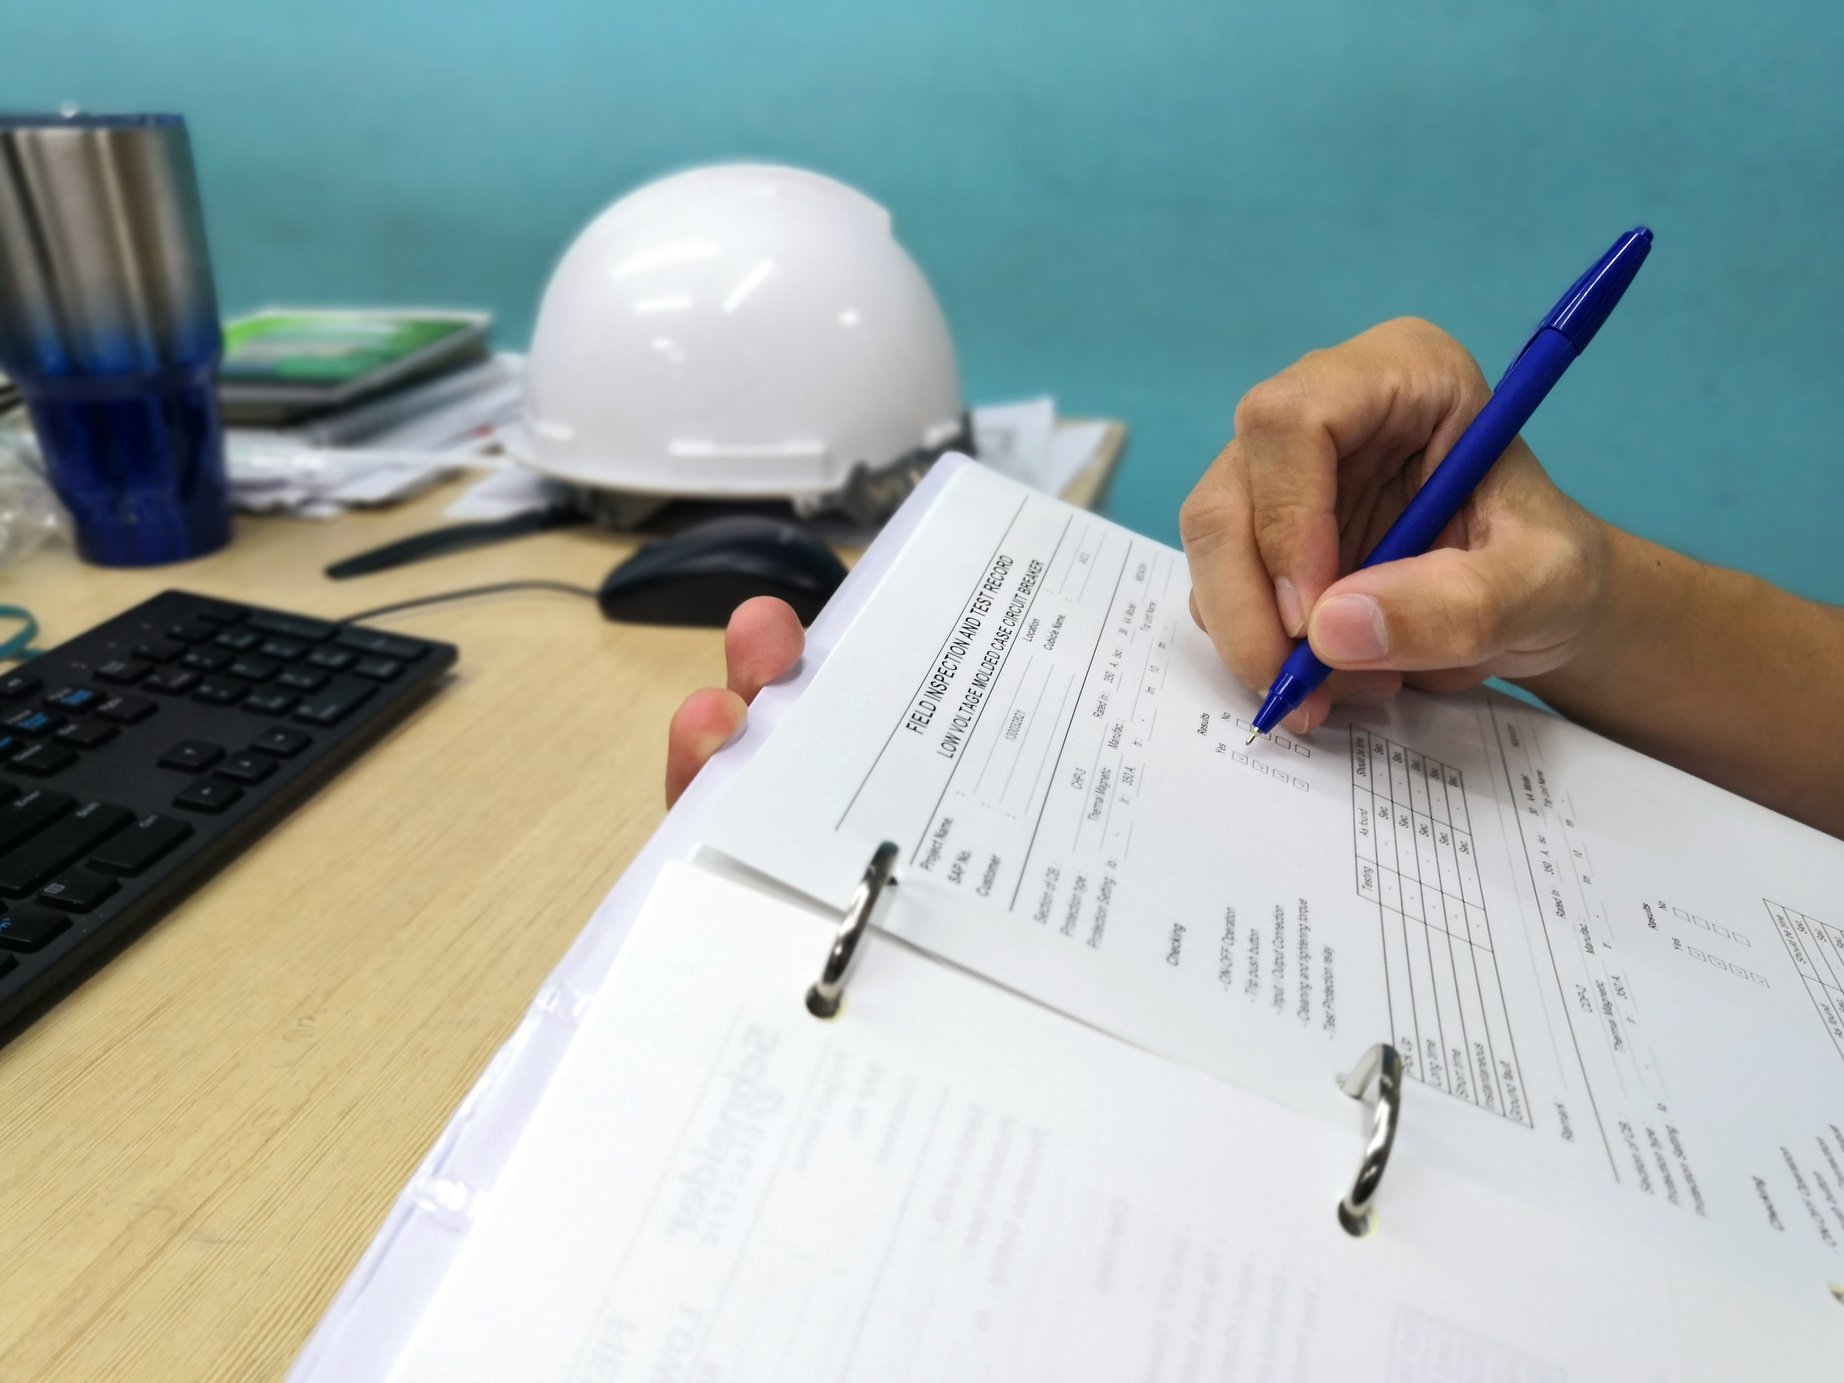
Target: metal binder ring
pixel 1383 1064
pixel 824 998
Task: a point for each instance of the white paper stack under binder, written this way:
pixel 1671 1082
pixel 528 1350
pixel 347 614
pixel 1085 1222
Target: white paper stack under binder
pixel 1080 1108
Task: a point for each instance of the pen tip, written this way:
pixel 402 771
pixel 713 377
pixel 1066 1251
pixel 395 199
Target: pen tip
pixel 1251 738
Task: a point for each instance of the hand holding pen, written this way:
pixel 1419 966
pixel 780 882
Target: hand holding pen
pixel 1713 670
pixel 1492 571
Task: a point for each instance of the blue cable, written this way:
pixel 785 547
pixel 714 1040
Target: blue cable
pixel 18 645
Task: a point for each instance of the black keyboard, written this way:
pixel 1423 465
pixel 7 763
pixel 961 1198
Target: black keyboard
pixel 139 757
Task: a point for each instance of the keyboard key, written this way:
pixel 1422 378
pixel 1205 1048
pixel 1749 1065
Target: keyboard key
pixel 126 710
pixel 237 640
pixel 124 671
pixel 221 691
pixel 41 760
pixel 332 659
pixel 158 650
pixel 29 720
pixel 204 659
pixel 248 769
pixel 292 626
pixel 130 851
pixel 86 734
pixel 193 631
pixel 31 811
pixel 74 698
pixel 205 795
pixel 191 756
pixel 253 669
pixel 171 682
pixel 80 890
pixel 87 866
pixel 335 703
pixel 301 679
pixel 385 645
pixel 217 611
pixel 29 864
pixel 282 743
pixel 28 927
pixel 271 703
pixel 378 669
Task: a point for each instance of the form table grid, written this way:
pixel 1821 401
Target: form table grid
pixel 1817 952
pixel 1412 834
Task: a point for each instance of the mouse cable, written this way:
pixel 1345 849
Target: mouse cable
pixel 562 587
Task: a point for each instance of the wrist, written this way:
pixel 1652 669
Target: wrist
pixel 1621 616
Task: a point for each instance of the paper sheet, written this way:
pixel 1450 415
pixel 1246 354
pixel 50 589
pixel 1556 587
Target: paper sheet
pixel 1015 439
pixel 721 1187
pixel 427 1226
pixel 1617 989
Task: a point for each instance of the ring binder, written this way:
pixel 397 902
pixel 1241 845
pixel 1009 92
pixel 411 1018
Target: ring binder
pixel 1383 1065
pixel 828 992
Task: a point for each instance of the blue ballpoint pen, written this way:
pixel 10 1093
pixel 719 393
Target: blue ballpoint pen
pixel 1552 348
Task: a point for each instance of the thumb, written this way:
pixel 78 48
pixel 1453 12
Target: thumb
pixel 1450 608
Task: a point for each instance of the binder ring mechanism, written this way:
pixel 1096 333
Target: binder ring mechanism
pixel 825 997
pixel 1381 1065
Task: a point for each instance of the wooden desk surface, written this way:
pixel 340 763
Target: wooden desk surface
pixel 200 1141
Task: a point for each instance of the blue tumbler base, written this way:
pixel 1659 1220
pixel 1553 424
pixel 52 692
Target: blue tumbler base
pixel 138 461
pixel 152 540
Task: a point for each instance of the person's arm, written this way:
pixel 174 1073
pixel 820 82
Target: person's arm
pixel 1714 671
pixel 1717 672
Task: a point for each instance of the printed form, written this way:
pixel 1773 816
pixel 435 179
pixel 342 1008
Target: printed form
pixel 721 1188
pixel 1615 988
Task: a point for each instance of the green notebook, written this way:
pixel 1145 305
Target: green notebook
pixel 281 365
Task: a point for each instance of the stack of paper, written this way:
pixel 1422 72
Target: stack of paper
pixel 1079 1117
pixel 381 451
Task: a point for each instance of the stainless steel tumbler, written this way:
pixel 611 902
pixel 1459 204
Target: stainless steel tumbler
pixel 109 326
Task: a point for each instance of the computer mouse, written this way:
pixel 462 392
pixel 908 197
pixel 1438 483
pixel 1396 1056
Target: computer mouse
pixel 698 576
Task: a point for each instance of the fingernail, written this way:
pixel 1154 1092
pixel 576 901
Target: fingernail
pixel 1287 597
pixel 1350 628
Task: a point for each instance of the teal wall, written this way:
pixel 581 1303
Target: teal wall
pixel 1141 205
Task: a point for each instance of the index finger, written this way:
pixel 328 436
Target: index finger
pixel 1231 598
pixel 1363 407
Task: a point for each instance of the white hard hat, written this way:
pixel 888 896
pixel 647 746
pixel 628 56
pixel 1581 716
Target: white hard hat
pixel 741 332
